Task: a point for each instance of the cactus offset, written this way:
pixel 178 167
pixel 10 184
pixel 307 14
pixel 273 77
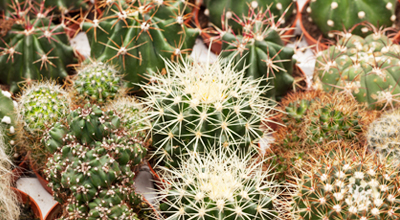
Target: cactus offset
pixel 135 38
pixel 261 48
pixel 365 68
pixel 328 14
pixel 193 105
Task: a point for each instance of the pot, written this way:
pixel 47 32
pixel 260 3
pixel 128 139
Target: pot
pixel 20 169
pixel 54 212
pixel 23 198
pixel 41 179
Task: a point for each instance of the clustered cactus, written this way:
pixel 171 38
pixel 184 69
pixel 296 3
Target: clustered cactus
pixel 328 15
pixel 197 104
pixel 93 166
pixel 365 68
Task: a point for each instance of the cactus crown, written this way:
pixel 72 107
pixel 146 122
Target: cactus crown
pixel 219 185
pixel 194 105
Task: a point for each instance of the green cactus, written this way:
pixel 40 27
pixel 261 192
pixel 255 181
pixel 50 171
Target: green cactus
pixel 57 6
pixel 217 11
pixel 345 185
pixel 98 83
pixel 34 49
pixel 93 164
pixel 8 123
pixel 328 14
pixel 383 135
pixel 217 186
pixel 364 68
pixel 193 105
pixel 137 36
pixel 261 48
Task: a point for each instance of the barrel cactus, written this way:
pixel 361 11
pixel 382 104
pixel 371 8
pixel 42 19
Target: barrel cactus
pixel 383 136
pixel 34 49
pixel 347 185
pixel 217 11
pixel 93 165
pixel 57 6
pixel 326 14
pixel 97 83
pixel 135 37
pixel 193 105
pixel 365 68
pixel 261 48
pixel 218 186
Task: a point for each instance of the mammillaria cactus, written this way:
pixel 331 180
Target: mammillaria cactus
pixel 347 185
pixel 384 135
pixel 8 117
pixel 97 82
pixel 34 49
pixel 261 48
pixel 281 10
pixel 135 38
pixel 218 186
pixel 327 14
pixel 195 105
pixel 365 68
pixel 93 164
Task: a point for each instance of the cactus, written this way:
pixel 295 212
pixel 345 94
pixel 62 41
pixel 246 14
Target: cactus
pixel 93 164
pixel 34 49
pixel 383 135
pixel 364 68
pixel 261 48
pixel 134 38
pixel 328 14
pixel 195 105
pixel 8 122
pixel 218 186
pixel 57 6
pixel 97 82
pixel 217 11
pixel 346 185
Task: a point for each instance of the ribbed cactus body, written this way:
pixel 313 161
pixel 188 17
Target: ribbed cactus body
pixel 365 68
pixel 328 14
pixel 135 39
pixel 34 49
pixel 227 9
pixel 8 121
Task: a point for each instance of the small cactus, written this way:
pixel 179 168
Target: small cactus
pixel 193 105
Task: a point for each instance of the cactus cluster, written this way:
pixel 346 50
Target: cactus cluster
pixel 93 165
pixel 365 68
pixel 97 83
pixel 328 15
pixel 260 47
pixel 135 37
pixel 383 136
pixel 219 185
pixel 194 105
pixel 8 122
pixel 347 185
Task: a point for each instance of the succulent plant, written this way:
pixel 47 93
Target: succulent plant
pixel 347 185
pixel 93 165
pixel 8 123
pixel 192 106
pixel 261 48
pixel 97 83
pixel 383 135
pixel 365 68
pixel 326 14
pixel 57 6
pixel 219 185
pixel 218 11
pixel 34 49
pixel 135 37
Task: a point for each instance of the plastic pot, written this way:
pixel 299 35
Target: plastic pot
pixel 23 198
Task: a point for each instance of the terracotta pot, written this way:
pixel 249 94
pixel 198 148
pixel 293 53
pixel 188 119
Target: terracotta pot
pixel 42 180
pixel 20 169
pixel 23 198
pixel 216 45
pixel 54 212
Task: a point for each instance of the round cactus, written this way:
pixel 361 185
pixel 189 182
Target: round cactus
pixel 261 48
pixel 365 68
pixel 195 105
pixel 328 14
pixel 8 122
pixel 34 49
pixel 93 164
pixel 98 83
pixel 384 135
pixel 345 185
pixel 217 186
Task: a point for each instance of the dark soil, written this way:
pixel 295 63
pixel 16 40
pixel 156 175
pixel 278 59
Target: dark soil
pixel 27 212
